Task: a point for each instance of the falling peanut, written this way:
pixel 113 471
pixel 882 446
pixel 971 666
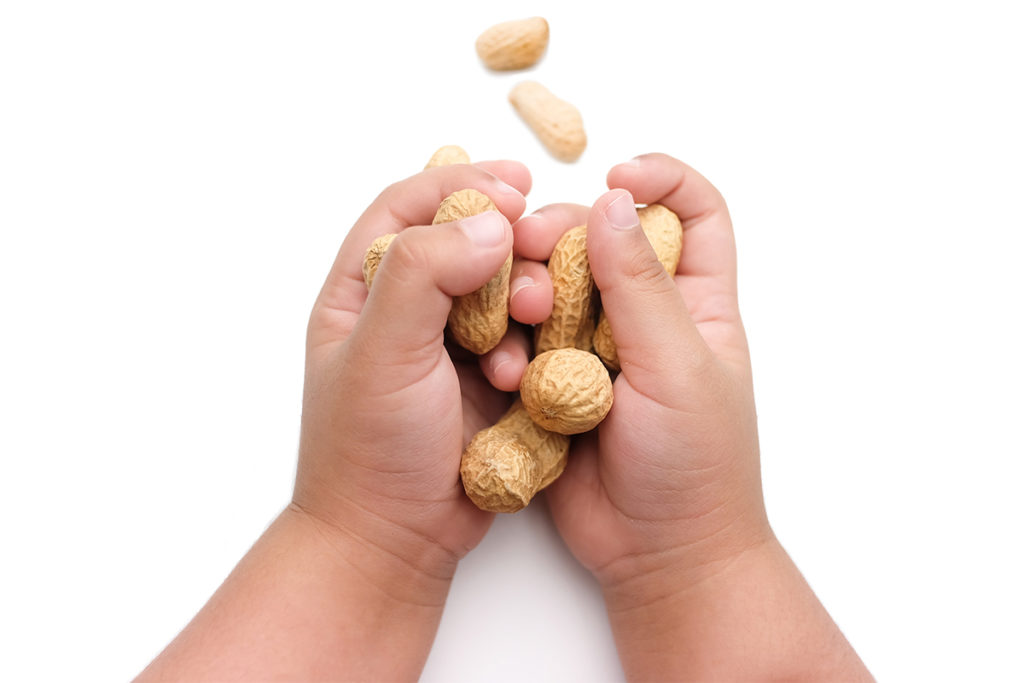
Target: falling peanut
pixel 665 233
pixel 504 466
pixel 513 45
pixel 556 123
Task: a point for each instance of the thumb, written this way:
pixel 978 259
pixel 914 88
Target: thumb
pixel 651 326
pixel 404 317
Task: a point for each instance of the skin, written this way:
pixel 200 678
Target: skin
pixel 662 503
pixel 349 582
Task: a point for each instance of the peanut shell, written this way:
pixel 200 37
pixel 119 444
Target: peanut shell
pixel 513 44
pixel 571 323
pixel 374 255
pixel 478 320
pixel 556 123
pixel 567 391
pixel 447 156
pixel 505 465
pixel 665 233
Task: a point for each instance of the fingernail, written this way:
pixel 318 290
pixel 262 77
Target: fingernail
pixel 634 162
pixel 621 213
pixel 484 230
pixel 521 282
pixel 499 358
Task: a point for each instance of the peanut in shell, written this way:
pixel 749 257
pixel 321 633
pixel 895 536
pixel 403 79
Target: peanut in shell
pixel 572 320
pixel 505 465
pixel 567 391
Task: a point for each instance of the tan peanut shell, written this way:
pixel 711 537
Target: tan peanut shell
pixel 555 122
pixel 374 255
pixel 567 391
pixel 665 233
pixel 513 45
pixel 571 323
pixel 505 465
pixel 478 320
pixel 447 156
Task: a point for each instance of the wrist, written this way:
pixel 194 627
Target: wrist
pixel 309 603
pixel 690 624
pixel 673 556
pixel 647 580
pixel 399 564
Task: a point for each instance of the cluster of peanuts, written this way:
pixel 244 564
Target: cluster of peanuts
pixel 567 387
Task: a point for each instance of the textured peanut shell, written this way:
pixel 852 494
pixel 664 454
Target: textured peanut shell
pixel 505 465
pixel 513 44
pixel 447 156
pixel 567 391
pixel 374 255
pixel 555 122
pixel 571 323
pixel 478 320
pixel 665 233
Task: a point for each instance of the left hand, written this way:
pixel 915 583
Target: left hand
pixel 388 405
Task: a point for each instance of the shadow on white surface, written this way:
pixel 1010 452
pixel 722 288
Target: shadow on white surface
pixel 493 628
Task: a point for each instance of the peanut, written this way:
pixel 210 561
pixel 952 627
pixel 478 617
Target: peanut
pixel 374 255
pixel 513 45
pixel 478 320
pixel 556 123
pixel 572 316
pixel 505 465
pixel 567 391
pixel 448 155
pixel 665 233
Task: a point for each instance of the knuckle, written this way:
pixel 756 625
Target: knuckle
pixel 643 270
pixel 407 255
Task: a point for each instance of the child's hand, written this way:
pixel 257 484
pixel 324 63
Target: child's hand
pixel 348 583
pixel 388 405
pixel 663 501
pixel 670 478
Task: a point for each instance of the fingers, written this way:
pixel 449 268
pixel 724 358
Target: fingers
pixel 530 292
pixel 650 323
pixel 403 321
pixel 709 248
pixel 510 172
pixel 414 201
pixel 537 234
pixel 503 366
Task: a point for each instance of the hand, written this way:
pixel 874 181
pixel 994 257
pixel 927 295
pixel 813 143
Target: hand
pixel 671 477
pixel 663 502
pixel 388 406
pixel 348 583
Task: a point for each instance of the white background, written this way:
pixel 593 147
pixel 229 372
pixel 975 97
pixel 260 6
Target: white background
pixel 175 179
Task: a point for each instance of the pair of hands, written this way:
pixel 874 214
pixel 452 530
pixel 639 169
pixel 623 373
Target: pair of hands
pixel 670 479
pixel 662 502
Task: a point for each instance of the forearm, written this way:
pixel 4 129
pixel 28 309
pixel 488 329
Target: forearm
pixel 752 618
pixel 309 602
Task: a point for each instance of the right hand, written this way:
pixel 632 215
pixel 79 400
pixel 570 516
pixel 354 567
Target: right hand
pixel 671 478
